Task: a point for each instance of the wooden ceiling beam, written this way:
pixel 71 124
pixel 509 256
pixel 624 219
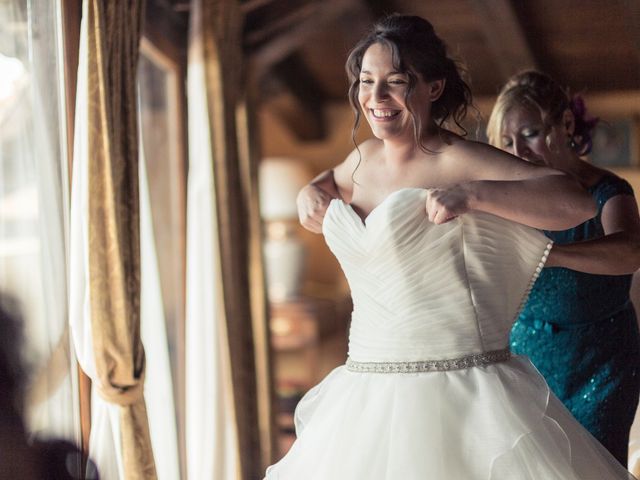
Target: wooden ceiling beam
pixel 608 105
pixel 632 11
pixel 268 53
pixel 302 14
pixel 249 6
pixel 505 36
pixel 295 76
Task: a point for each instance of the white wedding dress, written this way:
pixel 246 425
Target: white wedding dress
pixel 429 391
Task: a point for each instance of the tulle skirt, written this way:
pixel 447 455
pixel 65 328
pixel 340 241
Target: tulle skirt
pixel 497 422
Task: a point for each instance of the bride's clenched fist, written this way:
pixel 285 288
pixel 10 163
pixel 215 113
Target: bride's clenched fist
pixel 312 205
pixel 445 204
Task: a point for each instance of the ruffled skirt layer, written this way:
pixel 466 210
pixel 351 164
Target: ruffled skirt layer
pixel 498 422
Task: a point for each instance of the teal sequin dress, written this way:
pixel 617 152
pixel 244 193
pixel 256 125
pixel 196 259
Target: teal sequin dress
pixel 580 332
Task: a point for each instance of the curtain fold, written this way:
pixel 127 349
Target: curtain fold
pixel 229 411
pixel 105 263
pixel 211 433
pixel 224 68
pixel 158 385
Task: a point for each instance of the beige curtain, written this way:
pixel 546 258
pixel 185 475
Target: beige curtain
pixel 113 35
pixel 212 449
pixel 240 287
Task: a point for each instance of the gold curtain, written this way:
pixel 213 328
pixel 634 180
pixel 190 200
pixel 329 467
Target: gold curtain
pixel 114 30
pixel 234 172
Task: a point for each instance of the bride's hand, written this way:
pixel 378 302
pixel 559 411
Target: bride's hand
pixel 312 205
pixel 445 204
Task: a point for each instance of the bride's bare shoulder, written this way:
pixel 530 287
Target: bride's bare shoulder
pixel 365 150
pixel 470 150
pixel 344 172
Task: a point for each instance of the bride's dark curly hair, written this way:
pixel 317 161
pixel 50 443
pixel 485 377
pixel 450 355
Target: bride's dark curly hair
pixel 419 53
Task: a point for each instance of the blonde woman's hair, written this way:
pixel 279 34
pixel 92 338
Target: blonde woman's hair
pixel 539 92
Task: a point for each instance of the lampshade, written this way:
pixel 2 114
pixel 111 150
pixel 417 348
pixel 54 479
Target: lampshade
pixel 280 181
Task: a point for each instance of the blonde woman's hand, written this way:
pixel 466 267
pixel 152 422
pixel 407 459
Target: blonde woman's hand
pixel 445 204
pixel 312 205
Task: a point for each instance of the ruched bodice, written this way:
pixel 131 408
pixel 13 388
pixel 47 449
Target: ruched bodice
pixel 425 291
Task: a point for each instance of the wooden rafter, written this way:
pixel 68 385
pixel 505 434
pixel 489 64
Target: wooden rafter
pixel 505 35
pixel 632 14
pixel 309 97
pixel 299 15
pixel 266 54
pixel 249 6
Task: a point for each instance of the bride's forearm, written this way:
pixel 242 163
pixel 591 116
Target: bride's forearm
pixel 552 202
pixel 326 182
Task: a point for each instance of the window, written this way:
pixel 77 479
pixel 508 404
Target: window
pixel 34 207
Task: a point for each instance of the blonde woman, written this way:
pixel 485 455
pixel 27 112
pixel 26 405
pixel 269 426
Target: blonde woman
pixel 579 327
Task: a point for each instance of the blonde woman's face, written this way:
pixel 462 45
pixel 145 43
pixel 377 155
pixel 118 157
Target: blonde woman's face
pixel 524 135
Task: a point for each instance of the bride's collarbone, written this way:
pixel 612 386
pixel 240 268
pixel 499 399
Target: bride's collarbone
pixel 366 195
pixel 376 183
pixel 364 205
pixel 372 186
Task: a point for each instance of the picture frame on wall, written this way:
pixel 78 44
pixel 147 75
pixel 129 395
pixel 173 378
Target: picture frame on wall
pixel 615 144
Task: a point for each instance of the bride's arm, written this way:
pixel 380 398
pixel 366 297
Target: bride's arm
pixel 501 184
pixel 552 202
pixel 314 198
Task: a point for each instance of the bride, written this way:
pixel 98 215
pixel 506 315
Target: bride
pixel 434 234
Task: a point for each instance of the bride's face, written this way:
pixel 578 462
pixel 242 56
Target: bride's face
pixel 382 96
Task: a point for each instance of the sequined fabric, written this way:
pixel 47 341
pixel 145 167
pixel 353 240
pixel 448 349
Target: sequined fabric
pixel 581 333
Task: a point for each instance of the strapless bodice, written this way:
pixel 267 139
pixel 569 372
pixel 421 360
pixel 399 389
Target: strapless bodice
pixel 424 291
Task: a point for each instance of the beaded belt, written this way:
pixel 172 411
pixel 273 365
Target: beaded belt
pixel 476 360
